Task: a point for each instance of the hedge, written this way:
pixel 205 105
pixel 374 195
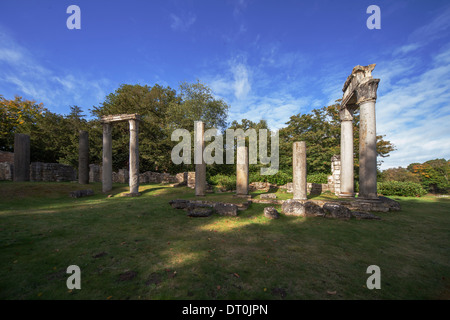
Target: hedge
pixel 397 188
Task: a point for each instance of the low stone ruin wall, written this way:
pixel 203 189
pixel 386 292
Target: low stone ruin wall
pixel 314 188
pixel 156 177
pixel 6 171
pixel 40 171
pixel 6 156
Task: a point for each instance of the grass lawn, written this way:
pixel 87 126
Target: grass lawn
pixel 141 248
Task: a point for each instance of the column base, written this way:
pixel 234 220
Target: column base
pixel 244 196
pixel 346 195
pixel 132 194
pixel 368 196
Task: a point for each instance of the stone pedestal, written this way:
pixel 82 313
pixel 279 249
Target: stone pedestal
pixel 200 165
pixel 242 171
pixel 367 151
pixel 107 158
pixel 21 157
pixel 134 157
pixel 83 158
pixel 299 170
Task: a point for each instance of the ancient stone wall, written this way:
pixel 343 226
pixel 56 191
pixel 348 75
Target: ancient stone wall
pixel 6 171
pixel 334 181
pixel 7 157
pixel 40 171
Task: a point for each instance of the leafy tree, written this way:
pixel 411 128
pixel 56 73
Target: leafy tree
pixel 17 116
pixel 162 111
pixel 433 174
pixel 321 130
pixel 399 174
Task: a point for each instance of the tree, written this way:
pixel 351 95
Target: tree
pixel 399 174
pixel 433 174
pixel 17 116
pixel 197 103
pixel 162 111
pixel 321 131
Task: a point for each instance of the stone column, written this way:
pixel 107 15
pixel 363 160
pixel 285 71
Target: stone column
pixel 134 157
pixel 242 171
pixel 346 174
pixel 107 158
pixel 200 165
pixel 367 94
pixel 83 158
pixel 21 157
pixel 299 170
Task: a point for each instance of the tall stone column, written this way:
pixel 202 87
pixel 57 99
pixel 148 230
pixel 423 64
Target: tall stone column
pixel 200 165
pixel 346 174
pixel 299 184
pixel 107 158
pixel 367 95
pixel 21 157
pixel 242 171
pixel 83 158
pixel 134 157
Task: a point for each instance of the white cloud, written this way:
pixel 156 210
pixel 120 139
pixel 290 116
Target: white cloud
pixel 22 74
pixel 414 113
pixel 182 23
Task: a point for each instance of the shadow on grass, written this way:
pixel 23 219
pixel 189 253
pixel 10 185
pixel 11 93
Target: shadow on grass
pixel 132 248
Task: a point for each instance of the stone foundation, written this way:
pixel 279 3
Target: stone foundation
pixel 48 172
pixel 6 171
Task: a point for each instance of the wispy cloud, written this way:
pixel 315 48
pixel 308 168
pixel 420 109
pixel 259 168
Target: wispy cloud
pixel 182 22
pixel 23 74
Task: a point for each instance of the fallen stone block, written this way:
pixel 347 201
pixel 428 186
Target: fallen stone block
pixel 268 196
pixel 271 213
pixel 81 193
pixel 337 211
pixel 200 212
pixel 226 209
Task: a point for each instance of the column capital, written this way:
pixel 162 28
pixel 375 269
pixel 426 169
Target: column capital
pixel 367 91
pixel 346 113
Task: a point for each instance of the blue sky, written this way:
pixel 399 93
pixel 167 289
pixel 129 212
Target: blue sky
pixel 266 59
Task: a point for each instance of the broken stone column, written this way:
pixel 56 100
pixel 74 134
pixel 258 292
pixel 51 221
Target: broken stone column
pixel 83 158
pixel 299 184
pixel 107 158
pixel 134 157
pixel 367 94
pixel 242 171
pixel 21 157
pixel 200 165
pixel 346 174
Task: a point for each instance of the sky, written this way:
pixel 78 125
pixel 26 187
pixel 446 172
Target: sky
pixel 267 59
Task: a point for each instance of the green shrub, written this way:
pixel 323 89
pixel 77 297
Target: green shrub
pixel 224 181
pixel 317 178
pixel 397 188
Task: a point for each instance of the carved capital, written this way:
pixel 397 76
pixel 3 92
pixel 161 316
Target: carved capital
pixel 346 113
pixel 367 91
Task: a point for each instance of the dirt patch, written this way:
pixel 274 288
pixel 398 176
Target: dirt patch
pixel 99 255
pixel 127 275
pixel 279 292
pixel 153 279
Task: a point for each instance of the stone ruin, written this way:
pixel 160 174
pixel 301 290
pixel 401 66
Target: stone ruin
pixel 107 121
pixel 360 91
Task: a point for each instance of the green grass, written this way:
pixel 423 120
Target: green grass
pixel 43 231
